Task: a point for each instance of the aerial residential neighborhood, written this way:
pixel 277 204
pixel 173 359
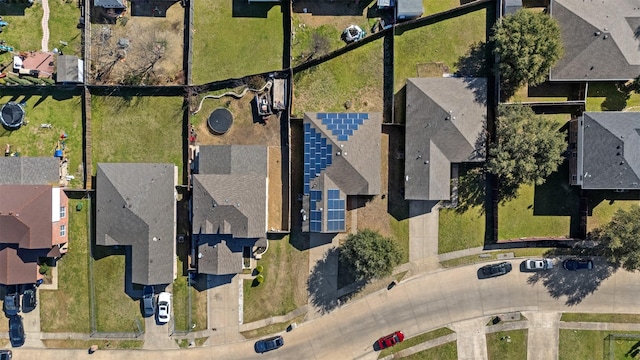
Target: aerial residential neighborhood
pixel 320 179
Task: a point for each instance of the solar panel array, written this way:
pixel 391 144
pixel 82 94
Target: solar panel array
pixel 317 155
pixel 315 221
pixel 342 125
pixel 335 211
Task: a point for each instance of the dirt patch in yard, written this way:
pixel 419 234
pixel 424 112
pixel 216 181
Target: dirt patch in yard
pixel 139 50
pixel 275 189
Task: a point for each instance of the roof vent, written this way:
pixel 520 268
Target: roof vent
pixel 155 238
pixel 605 37
pixel 597 33
pixel 199 255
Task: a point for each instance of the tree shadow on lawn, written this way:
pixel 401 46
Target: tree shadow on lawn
pixel 574 285
pixel 252 10
pixel 598 196
pixel 557 198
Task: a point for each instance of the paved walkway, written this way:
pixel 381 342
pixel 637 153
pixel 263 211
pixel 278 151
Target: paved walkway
pixel 224 317
pixel 472 339
pixel 319 245
pixel 45 26
pixel 423 234
pixel 542 338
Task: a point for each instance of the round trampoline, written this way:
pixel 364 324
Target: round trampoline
pixel 220 121
pixel 12 115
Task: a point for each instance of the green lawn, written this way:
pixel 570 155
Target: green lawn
pixel 303 44
pixel 181 304
pixel 271 329
pixel 142 129
pixel 448 351
pixel 500 348
pixel 67 309
pixel 474 259
pixel 102 344
pixel 603 211
pixel 63 111
pixel 416 340
pixel 542 211
pixel 605 96
pixel 444 42
pixel 400 229
pixel 433 7
pixel 593 345
pixel 24 32
pixel 230 42
pixel 285 282
pixel 356 76
pixel 63 21
pixel 611 318
pixel 115 310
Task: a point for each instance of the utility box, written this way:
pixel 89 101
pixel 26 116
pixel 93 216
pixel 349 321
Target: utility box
pixel 408 9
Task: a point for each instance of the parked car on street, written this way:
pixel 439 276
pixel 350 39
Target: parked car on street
pixel 12 301
pixel 494 270
pixel 390 340
pixel 269 344
pixel 577 264
pixel 16 331
pixel 5 355
pixel 148 303
pixel 164 307
pixel 29 299
pixel 538 264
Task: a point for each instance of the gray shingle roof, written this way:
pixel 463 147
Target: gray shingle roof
pixel 117 4
pixel 232 159
pixel 29 170
pixel 599 39
pixel 136 207
pixel 445 122
pixel 610 150
pixel 221 254
pixel 68 69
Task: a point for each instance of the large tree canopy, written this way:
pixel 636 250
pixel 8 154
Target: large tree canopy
pixel 369 254
pixel 528 44
pixel 527 150
pixel 621 237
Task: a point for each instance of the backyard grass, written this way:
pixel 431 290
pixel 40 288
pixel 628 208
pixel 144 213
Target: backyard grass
pixel 115 310
pixel 285 282
pixel 434 7
pixel 233 39
pixel 140 129
pixel 24 31
pixel 605 96
pixel 407 343
pixel 548 210
pixel 63 21
pixel 448 351
pixel 400 230
pixel 592 345
pixel 443 42
pixel 603 211
pixel 355 77
pixel 498 348
pixel 63 111
pixel 102 344
pixel 609 318
pixel 67 309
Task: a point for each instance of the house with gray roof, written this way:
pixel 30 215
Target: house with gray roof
pixel 111 4
pixel 445 126
pixel 29 170
pixel 229 206
pixel 341 158
pixel 605 151
pixel 136 207
pixel 600 40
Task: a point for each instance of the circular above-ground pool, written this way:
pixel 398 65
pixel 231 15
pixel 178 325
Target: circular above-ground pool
pixel 220 121
pixel 12 115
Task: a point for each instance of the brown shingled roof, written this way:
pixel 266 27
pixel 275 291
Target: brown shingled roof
pixel 25 215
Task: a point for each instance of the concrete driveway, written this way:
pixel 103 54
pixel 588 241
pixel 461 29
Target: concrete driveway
pixel 415 306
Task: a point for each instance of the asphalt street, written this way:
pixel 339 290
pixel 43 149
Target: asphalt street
pixel 417 305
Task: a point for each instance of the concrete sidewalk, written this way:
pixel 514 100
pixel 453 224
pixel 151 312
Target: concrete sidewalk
pixel 472 339
pixel 542 338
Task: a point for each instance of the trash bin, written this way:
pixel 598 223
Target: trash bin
pixel 79 207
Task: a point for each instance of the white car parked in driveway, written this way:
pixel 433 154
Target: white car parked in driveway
pixel 164 307
pixel 538 264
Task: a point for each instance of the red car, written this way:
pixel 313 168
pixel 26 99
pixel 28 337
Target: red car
pixel 390 340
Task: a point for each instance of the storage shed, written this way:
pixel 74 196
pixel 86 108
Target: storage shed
pixel 408 9
pixel 69 69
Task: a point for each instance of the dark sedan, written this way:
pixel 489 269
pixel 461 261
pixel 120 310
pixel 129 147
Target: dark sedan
pixel 12 301
pixel 494 270
pixel 269 344
pixel 577 264
pixel 29 299
pixel 16 331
